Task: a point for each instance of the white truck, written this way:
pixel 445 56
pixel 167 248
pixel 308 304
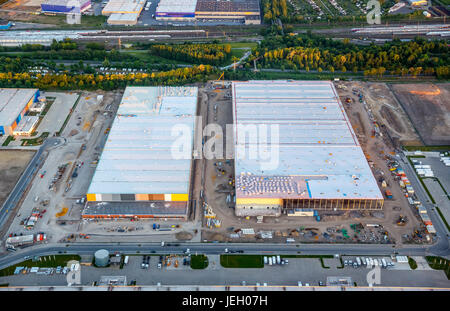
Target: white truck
pixel 358 261
pixel 265 260
pixel 278 260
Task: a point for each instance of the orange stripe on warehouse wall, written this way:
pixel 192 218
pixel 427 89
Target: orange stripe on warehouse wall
pixel 142 197
pixel 90 196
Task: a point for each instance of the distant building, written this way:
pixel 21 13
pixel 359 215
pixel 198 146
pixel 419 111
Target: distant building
pixel 417 3
pixel 65 6
pixel 5 25
pixel 176 10
pixel 123 12
pixel 14 103
pixel 246 10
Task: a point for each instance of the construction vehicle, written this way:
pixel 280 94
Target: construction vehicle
pixel 402 220
pixel 388 194
pixel 344 233
pixel 222 77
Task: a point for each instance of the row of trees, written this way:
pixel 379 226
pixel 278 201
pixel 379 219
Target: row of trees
pixel 105 82
pixel 213 54
pixel 78 54
pixel 274 9
pixel 314 53
pixel 13 64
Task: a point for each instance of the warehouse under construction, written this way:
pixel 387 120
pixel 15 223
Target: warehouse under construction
pixel 319 163
pixel 138 176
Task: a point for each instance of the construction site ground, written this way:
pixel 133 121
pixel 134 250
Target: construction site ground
pixel 85 135
pixel 427 105
pixel 12 165
pixel 386 109
pixel 329 229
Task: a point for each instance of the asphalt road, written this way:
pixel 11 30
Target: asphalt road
pixel 442 247
pixel 211 248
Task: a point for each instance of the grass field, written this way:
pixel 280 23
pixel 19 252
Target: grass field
pixel 51 261
pixel 199 261
pixel 9 139
pixel 242 261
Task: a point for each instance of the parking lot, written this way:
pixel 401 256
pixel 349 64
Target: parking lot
pixel 442 173
pixel 305 270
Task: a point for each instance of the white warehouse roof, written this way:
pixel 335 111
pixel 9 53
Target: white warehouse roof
pixel 12 102
pixel 317 145
pixel 123 6
pixel 176 6
pixel 137 156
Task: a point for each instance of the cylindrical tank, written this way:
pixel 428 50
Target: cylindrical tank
pixel 101 258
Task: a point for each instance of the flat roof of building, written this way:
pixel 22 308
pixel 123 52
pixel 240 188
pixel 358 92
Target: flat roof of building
pixel 318 149
pixel 137 157
pixel 228 6
pixel 123 6
pixel 123 17
pixel 12 102
pixel 64 2
pixel 176 6
pixel 27 124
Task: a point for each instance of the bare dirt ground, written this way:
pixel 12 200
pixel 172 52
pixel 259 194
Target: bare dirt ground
pixel 428 107
pixel 306 229
pixel 23 5
pixel 386 109
pixel 12 165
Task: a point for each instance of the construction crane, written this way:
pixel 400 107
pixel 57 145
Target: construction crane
pixel 222 77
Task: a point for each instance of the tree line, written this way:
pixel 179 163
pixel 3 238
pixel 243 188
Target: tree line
pixel 212 54
pixel 319 54
pixel 68 81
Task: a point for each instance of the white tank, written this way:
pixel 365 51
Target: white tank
pixel 101 258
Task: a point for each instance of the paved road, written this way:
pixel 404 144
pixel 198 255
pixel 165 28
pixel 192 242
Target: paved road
pixel 25 179
pixel 244 57
pixel 211 248
pixel 442 247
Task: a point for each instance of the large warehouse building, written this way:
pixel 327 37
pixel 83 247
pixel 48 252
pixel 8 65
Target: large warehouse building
pixel 138 175
pixel 245 10
pixel 14 103
pixel 320 164
pixel 123 12
pixel 176 10
pixel 65 6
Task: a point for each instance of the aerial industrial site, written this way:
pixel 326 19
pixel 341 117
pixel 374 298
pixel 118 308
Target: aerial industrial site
pixel 224 145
